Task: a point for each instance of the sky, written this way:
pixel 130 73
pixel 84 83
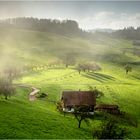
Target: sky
pixel 88 14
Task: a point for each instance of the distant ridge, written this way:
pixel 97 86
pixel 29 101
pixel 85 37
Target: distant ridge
pixel 106 30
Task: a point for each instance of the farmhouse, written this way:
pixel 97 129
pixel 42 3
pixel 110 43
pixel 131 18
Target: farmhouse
pixel 112 109
pixel 72 99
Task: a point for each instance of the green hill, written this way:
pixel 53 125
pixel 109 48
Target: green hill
pixel 35 46
pixel 20 118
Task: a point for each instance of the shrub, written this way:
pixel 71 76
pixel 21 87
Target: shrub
pixel 42 95
pixel 59 106
pixel 110 130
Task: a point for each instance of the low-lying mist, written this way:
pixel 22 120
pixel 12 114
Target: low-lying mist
pixel 22 45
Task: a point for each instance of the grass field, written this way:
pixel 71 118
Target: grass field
pixel 20 118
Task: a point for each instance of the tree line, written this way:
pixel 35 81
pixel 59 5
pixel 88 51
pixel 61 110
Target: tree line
pixel 128 33
pixel 65 27
pixel 45 25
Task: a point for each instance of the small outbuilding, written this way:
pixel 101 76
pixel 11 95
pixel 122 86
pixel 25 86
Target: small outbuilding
pixel 72 99
pixel 112 109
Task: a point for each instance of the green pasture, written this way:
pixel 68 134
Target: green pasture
pixel 20 118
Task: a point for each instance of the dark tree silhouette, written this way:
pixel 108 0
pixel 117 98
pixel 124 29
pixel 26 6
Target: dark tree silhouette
pixel 128 68
pixel 128 33
pixel 82 113
pixel 67 27
pixel 6 88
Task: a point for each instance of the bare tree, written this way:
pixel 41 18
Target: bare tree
pixel 87 66
pixel 6 88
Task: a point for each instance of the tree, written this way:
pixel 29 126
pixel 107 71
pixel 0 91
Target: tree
pixel 87 66
pixel 82 113
pixel 78 67
pixel 68 27
pixel 81 67
pixel 128 68
pixel 6 88
pixel 69 59
pixel 110 130
pixel 11 73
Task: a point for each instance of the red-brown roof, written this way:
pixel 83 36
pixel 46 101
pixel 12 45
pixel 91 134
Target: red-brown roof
pixel 106 106
pixel 76 98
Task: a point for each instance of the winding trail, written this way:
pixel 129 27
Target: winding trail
pixel 32 95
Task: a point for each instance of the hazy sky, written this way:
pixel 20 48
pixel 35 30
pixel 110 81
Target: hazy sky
pixel 89 14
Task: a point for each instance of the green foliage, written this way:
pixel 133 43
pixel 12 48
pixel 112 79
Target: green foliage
pixel 111 130
pixel 22 119
pixel 40 119
pixel 59 106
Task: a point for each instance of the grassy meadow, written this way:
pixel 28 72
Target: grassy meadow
pixel 39 119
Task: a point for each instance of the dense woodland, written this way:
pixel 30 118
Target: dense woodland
pixel 128 33
pixel 49 25
pixel 65 27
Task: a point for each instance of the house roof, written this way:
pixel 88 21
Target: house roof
pixel 76 98
pixel 106 106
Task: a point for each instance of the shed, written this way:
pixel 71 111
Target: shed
pixel 109 108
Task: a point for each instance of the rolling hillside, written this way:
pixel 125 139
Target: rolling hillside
pixel 20 118
pixel 35 46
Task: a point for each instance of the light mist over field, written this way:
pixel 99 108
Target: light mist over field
pixel 91 16
pixel 69 69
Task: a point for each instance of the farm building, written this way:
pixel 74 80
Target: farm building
pixel 112 109
pixel 72 99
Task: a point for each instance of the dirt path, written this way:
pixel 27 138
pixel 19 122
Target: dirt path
pixel 32 95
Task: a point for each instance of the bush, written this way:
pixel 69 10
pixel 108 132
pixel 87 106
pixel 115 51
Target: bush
pixel 42 95
pixel 110 130
pixel 59 106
